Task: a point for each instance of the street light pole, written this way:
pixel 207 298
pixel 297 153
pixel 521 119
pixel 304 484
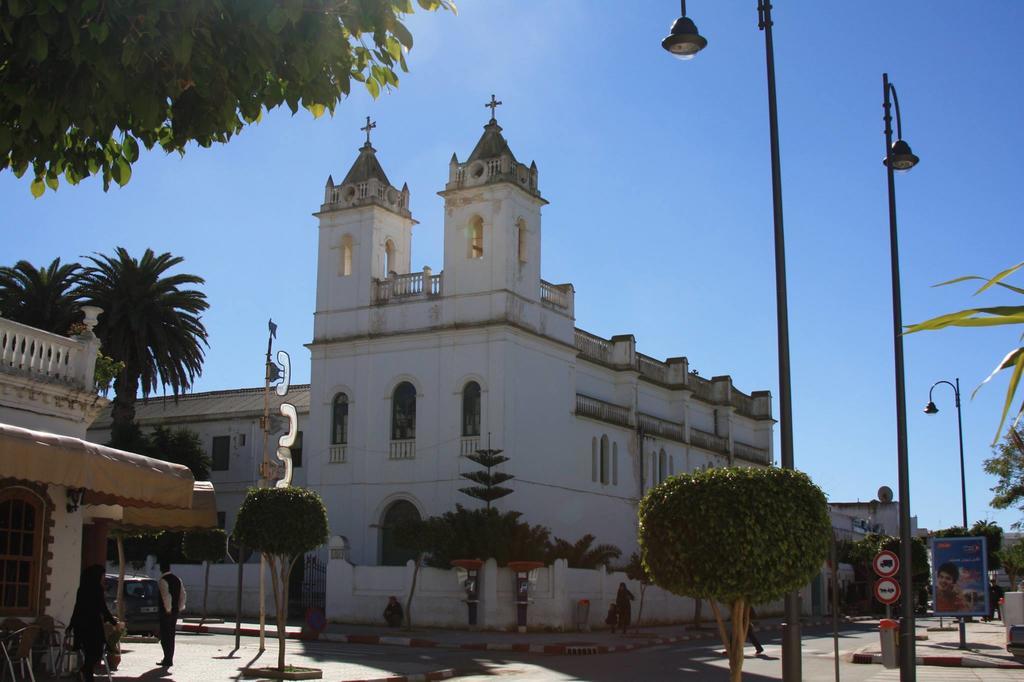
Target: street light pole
pixel 899 157
pixel 930 408
pixel 685 42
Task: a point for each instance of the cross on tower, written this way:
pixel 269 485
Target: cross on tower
pixel 492 105
pixel 370 125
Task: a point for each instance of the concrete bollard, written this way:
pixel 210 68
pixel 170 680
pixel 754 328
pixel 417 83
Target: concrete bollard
pixel 888 632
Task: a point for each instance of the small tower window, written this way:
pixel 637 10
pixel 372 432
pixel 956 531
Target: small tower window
pixel 471 409
pixel 403 412
pixel 339 420
pixel 476 237
pixel 521 235
pixel 662 466
pixel 389 258
pixel 604 460
pixel 346 255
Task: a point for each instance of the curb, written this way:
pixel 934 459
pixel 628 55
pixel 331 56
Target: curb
pixel 944 661
pixel 445 674
pixel 581 649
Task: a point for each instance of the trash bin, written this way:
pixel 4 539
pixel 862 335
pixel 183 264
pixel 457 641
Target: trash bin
pixel 583 615
pixel 889 633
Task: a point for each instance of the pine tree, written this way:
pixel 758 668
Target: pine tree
pixel 488 486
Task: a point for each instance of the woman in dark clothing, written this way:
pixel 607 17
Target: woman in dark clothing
pixel 622 599
pixel 88 617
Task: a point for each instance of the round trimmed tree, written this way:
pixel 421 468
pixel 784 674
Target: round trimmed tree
pixel 283 524
pixel 207 545
pixel 739 536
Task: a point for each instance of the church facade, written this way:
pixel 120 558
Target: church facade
pixel 413 370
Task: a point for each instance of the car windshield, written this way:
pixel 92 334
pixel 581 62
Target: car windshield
pixel 133 589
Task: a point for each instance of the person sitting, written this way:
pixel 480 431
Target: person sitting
pixel 393 613
pixel 613 615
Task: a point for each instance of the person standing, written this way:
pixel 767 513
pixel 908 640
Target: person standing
pixel 622 606
pixel 88 617
pixel 751 637
pixel 172 602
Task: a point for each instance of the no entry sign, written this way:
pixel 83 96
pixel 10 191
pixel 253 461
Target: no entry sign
pixel 887 591
pixel 886 564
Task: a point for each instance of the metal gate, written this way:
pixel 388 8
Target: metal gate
pixel 314 583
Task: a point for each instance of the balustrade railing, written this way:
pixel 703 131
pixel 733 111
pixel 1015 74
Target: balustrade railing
pixel 593 347
pixel 744 404
pixel 651 368
pixel 468 445
pixel 402 449
pixel 750 452
pixel 599 409
pixel 700 386
pixel 708 441
pixel 406 286
pixel 337 454
pixel 556 295
pixel 42 355
pixel 656 426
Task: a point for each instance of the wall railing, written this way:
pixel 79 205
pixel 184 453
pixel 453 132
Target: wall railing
pixel 599 409
pixel 708 441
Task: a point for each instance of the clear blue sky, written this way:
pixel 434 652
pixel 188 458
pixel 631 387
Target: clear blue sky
pixel 658 176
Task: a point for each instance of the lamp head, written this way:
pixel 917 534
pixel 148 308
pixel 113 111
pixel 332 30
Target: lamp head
pixel 902 158
pixel 930 408
pixel 684 42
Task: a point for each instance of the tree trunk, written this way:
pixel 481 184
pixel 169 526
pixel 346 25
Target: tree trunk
pixel 412 591
pixel 280 573
pixel 640 611
pixel 740 623
pixel 697 608
pixel 206 589
pixel 120 578
pixel 122 411
pixel 722 633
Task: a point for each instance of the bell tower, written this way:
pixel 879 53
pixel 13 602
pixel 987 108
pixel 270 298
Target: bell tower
pixel 365 233
pixel 492 220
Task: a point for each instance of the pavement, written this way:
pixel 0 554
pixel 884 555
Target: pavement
pixel 534 642
pixel 985 642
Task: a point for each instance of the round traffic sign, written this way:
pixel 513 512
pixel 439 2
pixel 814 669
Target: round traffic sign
pixel 886 564
pixel 887 590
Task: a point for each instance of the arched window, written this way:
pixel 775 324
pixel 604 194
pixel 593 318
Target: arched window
pixel 662 466
pixel 593 459
pixel 21 528
pixel 471 409
pixel 389 258
pixel 392 553
pixel 476 237
pixel 403 412
pixel 521 235
pixel 346 255
pixel 604 460
pixel 339 420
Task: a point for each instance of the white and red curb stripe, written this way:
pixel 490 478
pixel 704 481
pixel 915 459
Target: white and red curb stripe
pixel 946 661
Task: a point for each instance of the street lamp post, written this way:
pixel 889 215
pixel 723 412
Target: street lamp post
pixel 930 408
pixel 685 42
pixel 898 157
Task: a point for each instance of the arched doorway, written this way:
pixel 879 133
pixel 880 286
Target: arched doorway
pixel 391 553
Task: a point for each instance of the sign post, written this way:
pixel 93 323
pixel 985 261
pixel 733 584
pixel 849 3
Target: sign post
pixel 886 565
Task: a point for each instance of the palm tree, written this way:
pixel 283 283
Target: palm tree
pixel 44 298
pixel 151 323
pixel 582 553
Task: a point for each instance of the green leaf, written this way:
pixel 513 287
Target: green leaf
pixel 38 46
pixel 316 109
pixel 1015 360
pixel 52 182
pixel 404 37
pixel 37 187
pixel 371 85
pixel 277 19
pixel 123 171
pixel 130 149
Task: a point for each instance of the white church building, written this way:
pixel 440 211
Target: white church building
pixel 413 370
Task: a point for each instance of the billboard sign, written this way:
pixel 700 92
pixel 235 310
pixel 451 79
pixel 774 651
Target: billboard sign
pixel 960 576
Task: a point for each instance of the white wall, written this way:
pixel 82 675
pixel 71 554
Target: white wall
pixel 223 589
pixel 358 594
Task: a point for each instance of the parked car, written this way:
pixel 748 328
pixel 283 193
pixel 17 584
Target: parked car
pixel 141 602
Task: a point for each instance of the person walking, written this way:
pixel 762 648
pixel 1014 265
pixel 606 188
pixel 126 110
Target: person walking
pixel 172 602
pixel 751 637
pixel 87 619
pixel 622 606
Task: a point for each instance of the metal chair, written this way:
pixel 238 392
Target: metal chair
pixel 49 640
pixel 21 650
pixel 7 659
